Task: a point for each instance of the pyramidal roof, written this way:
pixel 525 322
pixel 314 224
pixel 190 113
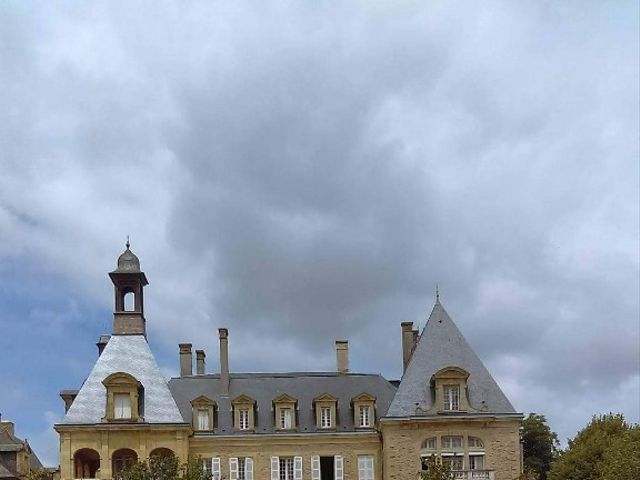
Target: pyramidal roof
pixel 129 354
pixel 442 345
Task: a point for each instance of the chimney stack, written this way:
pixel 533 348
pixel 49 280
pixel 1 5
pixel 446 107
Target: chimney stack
pixel 342 355
pixel 102 343
pixel 186 360
pixel 200 356
pixel 409 341
pixel 7 427
pixel 224 359
pixel 68 396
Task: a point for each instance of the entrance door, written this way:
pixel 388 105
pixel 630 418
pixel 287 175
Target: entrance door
pixel 327 468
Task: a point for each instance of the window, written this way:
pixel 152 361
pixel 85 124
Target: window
pixel 241 468
pixel 122 406
pixel 476 462
pixel 454 461
pixel 285 418
pixel 475 442
pixel 429 444
pixel 203 419
pixel 451 442
pixel 365 467
pixel 365 416
pixel 325 417
pixel 206 466
pixel 452 397
pixel 286 468
pixel 243 416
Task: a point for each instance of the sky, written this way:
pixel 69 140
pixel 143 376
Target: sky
pixel 301 172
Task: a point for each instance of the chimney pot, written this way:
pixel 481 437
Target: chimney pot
pixel 200 362
pixel 186 359
pixel 342 355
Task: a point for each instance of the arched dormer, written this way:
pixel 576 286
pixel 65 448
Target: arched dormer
pixel 450 388
pixel 125 398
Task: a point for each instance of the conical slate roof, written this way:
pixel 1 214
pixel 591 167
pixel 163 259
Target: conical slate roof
pixel 442 345
pixel 129 354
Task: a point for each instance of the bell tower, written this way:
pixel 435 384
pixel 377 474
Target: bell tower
pixel 128 281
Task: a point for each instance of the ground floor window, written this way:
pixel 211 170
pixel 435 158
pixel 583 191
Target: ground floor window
pixel 286 468
pixel 476 462
pixel 365 467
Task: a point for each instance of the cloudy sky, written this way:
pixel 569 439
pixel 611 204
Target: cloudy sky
pixel 301 172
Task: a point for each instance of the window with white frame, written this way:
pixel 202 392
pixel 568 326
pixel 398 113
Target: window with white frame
pixel 286 468
pixel 365 467
pixel 325 417
pixel 475 442
pixel 122 406
pixel 365 416
pixel 451 397
pixel 285 418
pixel 476 462
pixel 203 419
pixel 429 443
pixel 211 467
pixel 455 461
pixel 241 468
pixel 451 442
pixel 243 419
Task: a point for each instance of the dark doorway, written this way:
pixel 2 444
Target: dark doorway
pixel 326 468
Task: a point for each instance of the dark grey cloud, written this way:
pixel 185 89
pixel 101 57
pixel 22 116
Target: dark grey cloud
pixel 303 172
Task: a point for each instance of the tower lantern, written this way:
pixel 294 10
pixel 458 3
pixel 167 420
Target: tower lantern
pixel 128 281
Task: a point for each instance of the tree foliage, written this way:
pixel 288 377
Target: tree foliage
pixel 539 445
pixel 435 470
pixel 599 451
pixel 39 474
pixel 166 467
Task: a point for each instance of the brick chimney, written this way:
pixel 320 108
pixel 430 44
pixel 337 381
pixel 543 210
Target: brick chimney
pixel 224 359
pixel 68 396
pixel 102 343
pixel 342 356
pixel 200 362
pixel 409 341
pixel 186 360
pixel 7 427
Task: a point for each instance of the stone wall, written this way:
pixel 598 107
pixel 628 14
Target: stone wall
pixel 402 442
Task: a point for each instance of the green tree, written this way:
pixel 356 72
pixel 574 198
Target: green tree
pixel 585 456
pixel 539 445
pixel 435 470
pixel 622 459
pixel 166 467
pixel 39 474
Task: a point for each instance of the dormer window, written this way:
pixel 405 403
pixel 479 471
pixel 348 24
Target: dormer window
pixel 363 410
pixel 203 410
pixel 325 406
pixel 125 398
pixel 122 406
pixel 451 397
pixel 244 413
pixel 450 388
pixel 284 408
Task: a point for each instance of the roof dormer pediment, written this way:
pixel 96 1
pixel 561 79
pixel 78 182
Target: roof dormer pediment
pixel 325 397
pixel 243 400
pixel 284 398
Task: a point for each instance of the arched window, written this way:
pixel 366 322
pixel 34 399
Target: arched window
pixel 121 460
pixel 476 454
pixel 162 452
pixel 86 463
pixel 129 301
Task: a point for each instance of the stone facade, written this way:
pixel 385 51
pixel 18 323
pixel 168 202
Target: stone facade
pixel 349 426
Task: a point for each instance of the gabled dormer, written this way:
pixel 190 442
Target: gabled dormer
pixel 325 407
pixel 364 411
pixel 244 415
pixel 203 414
pixel 284 409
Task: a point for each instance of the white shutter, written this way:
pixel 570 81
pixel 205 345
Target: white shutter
pixel 339 470
pixel 315 467
pixel 297 468
pixel 275 468
pixel 248 468
pixel 233 468
pixel 215 468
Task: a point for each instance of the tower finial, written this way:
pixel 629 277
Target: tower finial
pixel 437 294
pixel 127 244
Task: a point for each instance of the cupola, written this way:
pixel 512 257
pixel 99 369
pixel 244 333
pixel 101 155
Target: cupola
pixel 128 281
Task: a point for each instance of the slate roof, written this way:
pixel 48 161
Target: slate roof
pixel 11 443
pixel 264 387
pixel 129 354
pixel 442 345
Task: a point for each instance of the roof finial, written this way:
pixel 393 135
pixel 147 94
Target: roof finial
pixel 437 294
pixel 127 244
